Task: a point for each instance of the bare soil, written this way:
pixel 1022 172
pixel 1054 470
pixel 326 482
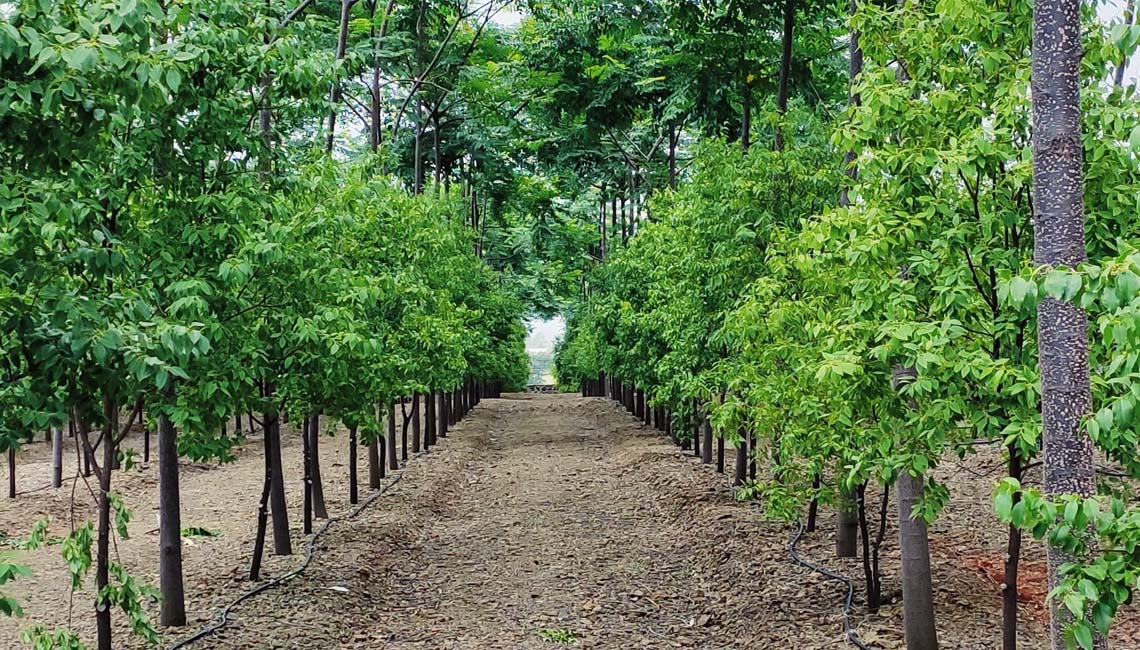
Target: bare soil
pixel 540 518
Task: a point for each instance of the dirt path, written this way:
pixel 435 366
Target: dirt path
pixel 539 518
pixel 562 517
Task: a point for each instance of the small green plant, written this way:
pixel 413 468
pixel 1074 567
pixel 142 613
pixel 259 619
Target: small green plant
pixel 198 531
pixel 557 635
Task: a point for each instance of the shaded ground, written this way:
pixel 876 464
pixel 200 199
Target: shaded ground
pixel 541 517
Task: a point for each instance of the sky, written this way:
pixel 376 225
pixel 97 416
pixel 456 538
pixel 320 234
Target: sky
pixel 544 334
pixel 508 18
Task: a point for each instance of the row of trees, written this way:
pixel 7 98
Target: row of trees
pixel 878 286
pixel 180 247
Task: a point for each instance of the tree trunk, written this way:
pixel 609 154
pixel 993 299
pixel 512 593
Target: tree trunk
pixel 353 492
pixel 746 111
pixel 416 430
pixel 393 460
pixel 307 471
pixel 695 430
pixel 430 425
pixel 673 138
pixel 707 434
pixel 334 93
pixel 813 507
pixel 262 517
pixel 1129 16
pixel 1059 242
pixel 374 117
pixel 282 545
pixel 785 69
pixel 1012 559
pixel 375 468
pixel 418 150
pixel 56 456
pixel 854 69
pixel 103 542
pixel 436 149
pixel 720 454
pixel 917 588
pixel 846 544
pixel 318 485
pixel 741 459
pixel 871 575
pixel 11 471
pixel 442 414
pixel 173 607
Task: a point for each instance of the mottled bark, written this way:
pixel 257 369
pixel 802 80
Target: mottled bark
pixel 1059 242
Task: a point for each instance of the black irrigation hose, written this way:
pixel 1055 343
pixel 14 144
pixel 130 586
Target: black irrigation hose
pixel 849 632
pixel 222 618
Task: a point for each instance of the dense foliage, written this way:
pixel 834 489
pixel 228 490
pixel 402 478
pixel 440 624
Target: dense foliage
pixel 863 337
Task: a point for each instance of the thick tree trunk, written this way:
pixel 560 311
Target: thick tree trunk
pixel 173 609
pixel 917 587
pixel 318 485
pixel 1059 242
